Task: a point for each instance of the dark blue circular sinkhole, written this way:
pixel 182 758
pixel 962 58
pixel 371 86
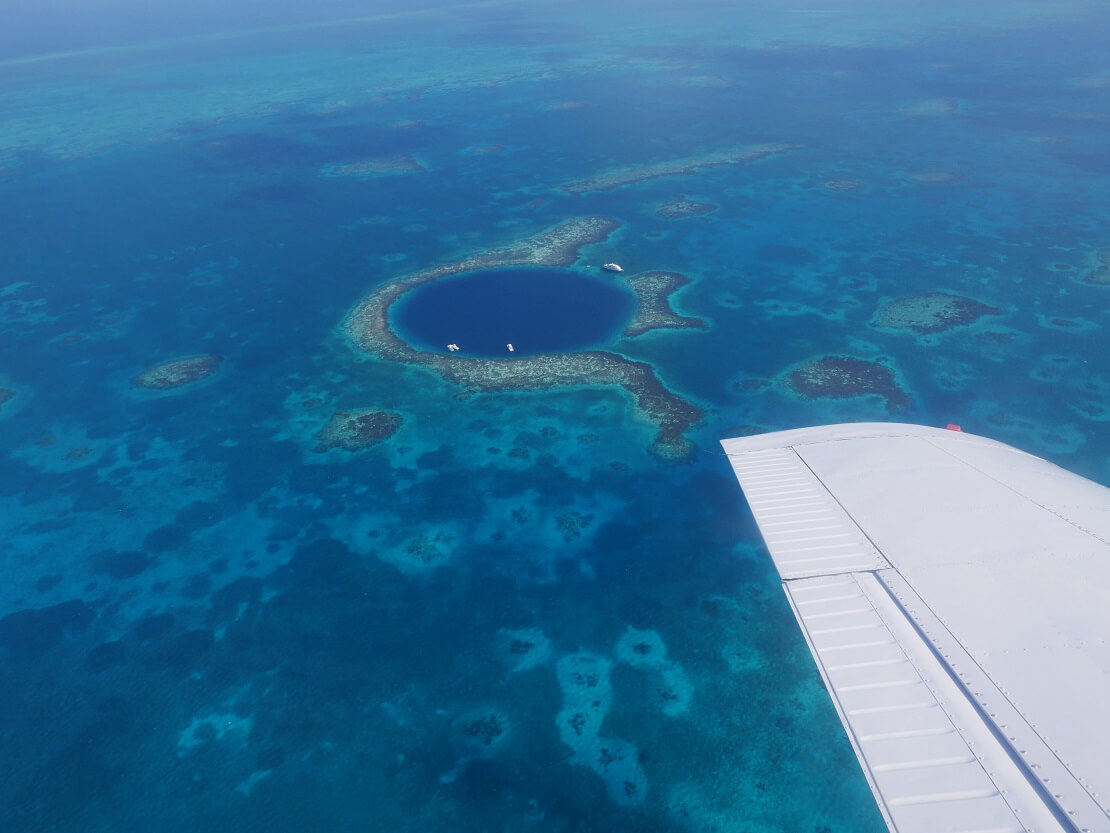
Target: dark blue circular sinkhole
pixel 537 310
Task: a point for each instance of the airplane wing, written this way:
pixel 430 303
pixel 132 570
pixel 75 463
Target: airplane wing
pixel 955 594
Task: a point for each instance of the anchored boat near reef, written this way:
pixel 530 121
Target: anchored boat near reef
pixel 612 267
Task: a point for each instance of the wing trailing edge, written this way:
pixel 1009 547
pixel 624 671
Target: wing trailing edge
pixel 955 594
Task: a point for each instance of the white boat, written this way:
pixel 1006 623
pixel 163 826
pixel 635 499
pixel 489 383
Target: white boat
pixel 510 347
pixel 612 267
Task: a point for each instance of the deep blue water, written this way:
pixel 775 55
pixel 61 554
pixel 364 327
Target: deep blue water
pixel 536 310
pixel 209 622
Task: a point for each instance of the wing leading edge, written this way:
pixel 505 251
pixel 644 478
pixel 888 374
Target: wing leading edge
pixel 955 594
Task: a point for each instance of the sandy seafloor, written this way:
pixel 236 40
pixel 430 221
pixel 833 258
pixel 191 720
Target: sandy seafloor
pixel 208 623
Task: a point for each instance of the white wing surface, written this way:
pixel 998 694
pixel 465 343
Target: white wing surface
pixel 955 593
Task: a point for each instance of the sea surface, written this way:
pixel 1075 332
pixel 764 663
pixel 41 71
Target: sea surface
pixel 509 614
pixel 541 310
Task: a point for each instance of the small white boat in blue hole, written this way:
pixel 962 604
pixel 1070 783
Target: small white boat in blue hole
pixel 612 267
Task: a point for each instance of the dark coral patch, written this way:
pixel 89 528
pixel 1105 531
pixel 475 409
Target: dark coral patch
pixel 485 730
pixel 49 582
pixel 682 207
pixel 842 185
pixel 229 600
pixel 154 626
pixel 85 766
pixel 199 514
pixel 372 166
pixel 270 758
pixel 185 650
pixel 34 631
pixel 479 733
pixel 166 538
pixel 104 656
pixel 177 372
pixel 355 430
pixel 573 524
pixel 932 312
pixel 840 377
pixel 198 586
pixel 121 565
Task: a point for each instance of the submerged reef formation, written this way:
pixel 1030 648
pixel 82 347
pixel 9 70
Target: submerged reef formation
pixel 707 81
pixel 13 397
pixel 672 415
pixel 522 649
pixel 478 150
pixel 556 106
pixel 669 686
pixel 398 163
pixel 587 697
pixel 932 312
pixel 841 377
pixel 653 291
pixel 213 727
pixel 477 734
pixel 177 372
pixel 930 107
pixel 1096 270
pixel 678 208
pixel 423 551
pixel 936 177
pixel 368 329
pixel 615 178
pixel 359 429
pixel 842 185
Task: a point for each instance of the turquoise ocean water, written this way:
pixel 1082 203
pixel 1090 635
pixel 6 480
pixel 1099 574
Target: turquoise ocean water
pixel 509 615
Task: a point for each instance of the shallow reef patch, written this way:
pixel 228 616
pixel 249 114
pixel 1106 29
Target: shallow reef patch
pixel 617 177
pixel 177 373
pixel 584 679
pixel 843 185
pixel 521 649
pixel 841 377
pixel 682 207
pixel 1096 268
pixel 358 429
pixel 931 312
pixel 653 291
pixel 371 166
pixel 669 688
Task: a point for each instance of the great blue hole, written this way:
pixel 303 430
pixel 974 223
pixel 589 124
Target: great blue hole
pixel 535 309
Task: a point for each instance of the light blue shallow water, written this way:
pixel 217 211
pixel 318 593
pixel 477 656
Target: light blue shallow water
pixel 510 614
